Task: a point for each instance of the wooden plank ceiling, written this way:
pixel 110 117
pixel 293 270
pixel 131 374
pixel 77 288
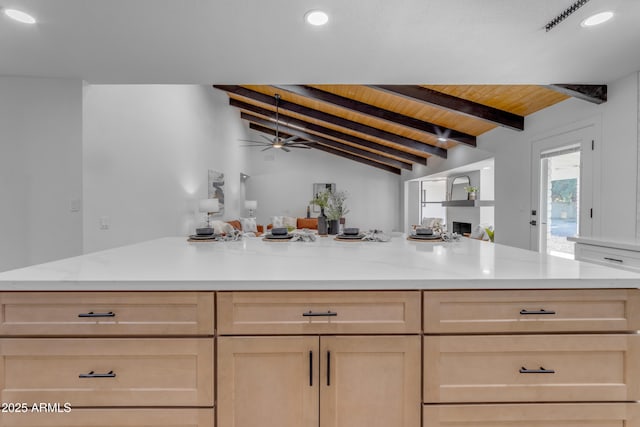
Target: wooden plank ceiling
pixel 390 127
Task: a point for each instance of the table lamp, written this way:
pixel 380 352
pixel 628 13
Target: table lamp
pixel 209 206
pixel 252 205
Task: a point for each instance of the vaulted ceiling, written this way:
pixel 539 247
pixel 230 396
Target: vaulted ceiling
pixel 392 127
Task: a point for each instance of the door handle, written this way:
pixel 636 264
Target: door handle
pixel 524 370
pixel 541 311
pixel 312 314
pixel 328 368
pixel 92 374
pixel 92 314
pixel 310 368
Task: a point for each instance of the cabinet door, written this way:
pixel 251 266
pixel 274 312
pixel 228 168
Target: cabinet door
pixel 531 368
pixel 106 313
pixel 108 372
pixel 370 381
pixel 121 417
pixel 533 415
pixel 268 381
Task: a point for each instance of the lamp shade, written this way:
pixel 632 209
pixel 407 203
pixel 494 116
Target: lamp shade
pixel 209 205
pixel 251 204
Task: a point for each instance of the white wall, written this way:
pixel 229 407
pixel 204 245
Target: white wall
pixel 147 150
pixel 40 170
pixel 618 148
pixel 282 184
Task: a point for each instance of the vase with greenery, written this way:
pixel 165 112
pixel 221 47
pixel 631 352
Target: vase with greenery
pixel 336 209
pixel 322 201
pixel 471 192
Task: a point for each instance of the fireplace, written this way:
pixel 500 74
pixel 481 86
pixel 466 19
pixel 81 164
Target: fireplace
pixel 461 227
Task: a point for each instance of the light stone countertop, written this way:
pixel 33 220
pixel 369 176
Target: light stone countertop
pixel 629 245
pixel 253 264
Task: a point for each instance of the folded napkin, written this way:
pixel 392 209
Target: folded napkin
pixel 303 236
pixel 376 236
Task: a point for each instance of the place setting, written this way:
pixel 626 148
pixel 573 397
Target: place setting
pixel 424 234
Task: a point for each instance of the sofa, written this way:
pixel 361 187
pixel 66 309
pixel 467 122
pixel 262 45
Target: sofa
pixel 300 223
pixel 237 224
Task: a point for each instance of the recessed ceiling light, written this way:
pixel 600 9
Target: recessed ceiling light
pixel 597 19
pixel 20 16
pixel 486 168
pixel 316 17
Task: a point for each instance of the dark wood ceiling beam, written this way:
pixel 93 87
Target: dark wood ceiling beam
pixel 596 94
pixel 291 122
pixel 265 126
pixel 455 104
pixel 379 113
pixel 335 120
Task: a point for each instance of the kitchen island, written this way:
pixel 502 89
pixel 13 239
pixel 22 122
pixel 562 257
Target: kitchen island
pixel 324 333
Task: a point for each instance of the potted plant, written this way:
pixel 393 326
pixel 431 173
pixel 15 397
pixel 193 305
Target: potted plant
pixel 322 201
pixel 471 192
pixel 336 209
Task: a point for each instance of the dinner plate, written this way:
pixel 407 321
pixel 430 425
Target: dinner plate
pixel 202 237
pixel 350 236
pixel 426 237
pixel 278 237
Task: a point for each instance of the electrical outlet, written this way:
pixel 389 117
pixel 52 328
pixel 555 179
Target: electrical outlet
pixel 104 223
pixel 75 205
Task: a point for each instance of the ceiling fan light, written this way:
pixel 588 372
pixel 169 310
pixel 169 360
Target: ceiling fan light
pixel 597 19
pixel 316 17
pixel 20 16
pixel 442 139
pixel 277 145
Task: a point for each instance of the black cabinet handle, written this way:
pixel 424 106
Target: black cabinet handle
pixel 524 370
pixel 92 374
pixel 614 259
pixel 541 311
pixel 311 368
pixel 92 314
pixel 312 314
pixel 328 368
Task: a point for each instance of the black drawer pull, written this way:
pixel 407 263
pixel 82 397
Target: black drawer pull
pixel 92 314
pixel 311 368
pixel 524 370
pixel 541 311
pixel 614 259
pixel 92 374
pixel 312 314
pixel 328 368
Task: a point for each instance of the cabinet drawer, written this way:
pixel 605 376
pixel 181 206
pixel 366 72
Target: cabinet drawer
pixel 159 417
pixel 577 310
pixel 115 372
pixel 106 313
pixel 613 257
pixel 533 415
pixel 526 368
pixel 254 313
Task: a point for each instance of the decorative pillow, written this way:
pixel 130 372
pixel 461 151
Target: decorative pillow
pixel 288 221
pixel 477 232
pixel 235 224
pixel 221 227
pixel 310 223
pixel 277 221
pixel 249 225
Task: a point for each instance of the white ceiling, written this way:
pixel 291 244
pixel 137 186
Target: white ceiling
pixel 366 41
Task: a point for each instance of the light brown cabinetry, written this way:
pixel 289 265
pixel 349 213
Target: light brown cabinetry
pixel 107 313
pixel 323 374
pixel 577 347
pixel 331 381
pixel 533 415
pixel 122 417
pixel 259 313
pixel 102 352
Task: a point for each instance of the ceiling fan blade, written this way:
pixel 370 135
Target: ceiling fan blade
pixel 285 149
pixel 268 148
pixel 253 145
pixel 249 140
pixel 299 146
pixel 267 138
pixel 291 138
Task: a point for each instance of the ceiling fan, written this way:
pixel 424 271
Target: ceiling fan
pixel 277 141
